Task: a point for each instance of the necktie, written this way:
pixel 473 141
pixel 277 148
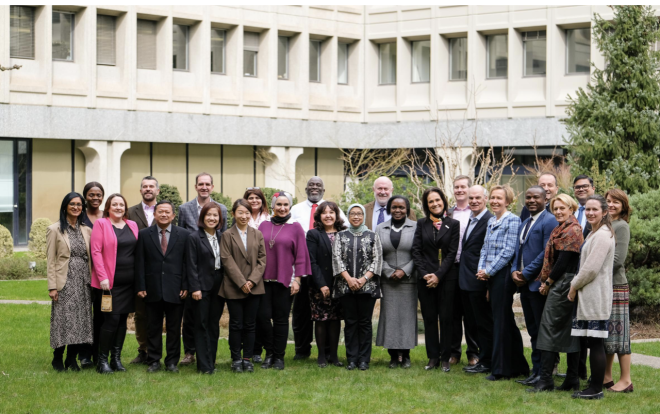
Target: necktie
pixel 526 229
pixel 580 215
pixel 473 222
pixel 311 216
pixel 163 240
pixel 381 216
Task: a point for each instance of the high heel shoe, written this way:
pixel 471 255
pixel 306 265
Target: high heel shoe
pixel 434 363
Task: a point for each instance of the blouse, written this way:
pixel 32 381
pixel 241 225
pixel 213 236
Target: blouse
pixel 260 219
pixel 500 243
pixel 357 254
pixel 286 252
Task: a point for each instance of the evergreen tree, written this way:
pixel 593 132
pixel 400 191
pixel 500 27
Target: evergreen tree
pixel 615 122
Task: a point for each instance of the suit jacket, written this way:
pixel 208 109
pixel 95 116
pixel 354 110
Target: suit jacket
pixel 320 256
pixel 188 216
pixel 369 211
pixel 200 260
pixel 524 214
pixel 58 252
pixel 136 213
pixel 425 250
pixel 468 267
pixel 533 249
pixel 162 276
pixel 103 247
pixel 241 264
pixel 401 257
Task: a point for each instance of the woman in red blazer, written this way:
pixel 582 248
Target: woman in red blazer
pixel 112 247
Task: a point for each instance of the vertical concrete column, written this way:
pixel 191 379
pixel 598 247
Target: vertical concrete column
pixel 281 168
pixel 103 162
pixel 5 77
pixel 90 58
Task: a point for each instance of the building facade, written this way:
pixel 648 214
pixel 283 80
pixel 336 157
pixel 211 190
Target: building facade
pixel 265 96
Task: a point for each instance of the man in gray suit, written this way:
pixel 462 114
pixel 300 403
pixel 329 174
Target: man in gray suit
pixel 187 218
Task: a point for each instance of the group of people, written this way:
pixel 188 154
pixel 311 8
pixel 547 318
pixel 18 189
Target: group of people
pixel 462 263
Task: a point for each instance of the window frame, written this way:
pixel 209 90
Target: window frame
pixel 566 72
pixel 187 31
pixel 255 56
pixel 380 64
pixel 488 40
pixel 524 59
pixel 224 51
pixel 318 60
pixel 451 59
pixel 286 57
pixel 412 61
pixel 33 57
pixel 339 46
pixel 73 31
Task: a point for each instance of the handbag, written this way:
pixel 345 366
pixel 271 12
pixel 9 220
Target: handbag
pixel 106 302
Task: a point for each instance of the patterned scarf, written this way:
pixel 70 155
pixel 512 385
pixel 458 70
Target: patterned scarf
pixel 361 227
pixel 566 237
pixel 437 222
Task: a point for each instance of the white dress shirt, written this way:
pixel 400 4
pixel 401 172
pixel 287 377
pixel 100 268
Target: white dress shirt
pixel 149 212
pixel 260 219
pixel 215 246
pixel 302 212
pixel 463 217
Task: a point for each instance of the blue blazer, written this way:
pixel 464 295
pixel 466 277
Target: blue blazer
pixel 533 249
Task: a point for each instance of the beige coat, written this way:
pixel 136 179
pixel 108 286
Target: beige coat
pixel 594 280
pixel 58 251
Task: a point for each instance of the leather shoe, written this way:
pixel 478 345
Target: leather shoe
pixel 393 364
pixel 278 364
pixel 531 380
pixel 541 386
pixel 268 362
pixel 299 357
pixel 189 359
pixel 493 377
pixel 336 363
pixel 363 366
pixel 477 369
pixel 588 395
pixel 626 390
pixel 351 366
pixel 446 366
pixel 257 359
pixel 154 367
pixel 406 363
pixel 569 385
pixel 140 359
pixel 86 363
pixel 608 385
pixel 172 368
pixel 454 360
pixel 248 366
pixel 237 366
pixel 473 361
pixel 433 364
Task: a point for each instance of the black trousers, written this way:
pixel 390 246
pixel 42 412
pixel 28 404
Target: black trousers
pixel 302 324
pixel 532 304
pixel 273 318
pixel 242 325
pixel 358 330
pixel 438 304
pixel 97 319
pixel 508 357
pixel 478 308
pixel 173 313
pixel 188 329
pixel 207 313
pixel 461 321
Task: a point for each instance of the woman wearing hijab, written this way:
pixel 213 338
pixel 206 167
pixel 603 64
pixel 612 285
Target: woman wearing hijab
pixel 357 261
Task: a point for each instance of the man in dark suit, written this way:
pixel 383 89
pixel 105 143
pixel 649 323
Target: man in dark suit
pixel 161 282
pixel 187 219
pixel 143 215
pixel 549 183
pixel 473 291
pixel 376 210
pixel 527 264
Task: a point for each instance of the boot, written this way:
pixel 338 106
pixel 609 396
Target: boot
pixel 572 381
pixel 70 361
pixel 57 359
pixel 115 360
pixel 105 341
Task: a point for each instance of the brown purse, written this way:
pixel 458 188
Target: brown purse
pixel 106 302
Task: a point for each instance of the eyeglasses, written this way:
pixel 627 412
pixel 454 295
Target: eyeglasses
pixel 253 188
pixel 356 215
pixel 581 187
pixel 75 205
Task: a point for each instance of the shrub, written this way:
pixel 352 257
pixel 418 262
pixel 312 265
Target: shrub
pixel 170 193
pixel 226 201
pixel 268 193
pixel 37 243
pixel 15 268
pixel 6 243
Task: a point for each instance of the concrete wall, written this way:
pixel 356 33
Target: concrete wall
pixel 51 176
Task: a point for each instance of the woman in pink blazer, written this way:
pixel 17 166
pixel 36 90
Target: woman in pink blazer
pixel 112 248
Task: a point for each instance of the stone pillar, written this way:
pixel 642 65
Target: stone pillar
pixel 103 162
pixel 281 168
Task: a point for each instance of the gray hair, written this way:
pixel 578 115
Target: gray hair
pixel 149 177
pixel 482 187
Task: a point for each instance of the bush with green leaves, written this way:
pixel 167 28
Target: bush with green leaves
pixel 226 201
pixel 170 193
pixel 362 192
pixel 37 243
pixel 268 193
pixel 6 243
pixel 17 268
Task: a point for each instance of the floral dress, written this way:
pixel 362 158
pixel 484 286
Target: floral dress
pixel 357 254
pixel 324 309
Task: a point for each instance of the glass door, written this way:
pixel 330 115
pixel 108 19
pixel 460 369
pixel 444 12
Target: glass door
pixel 15 188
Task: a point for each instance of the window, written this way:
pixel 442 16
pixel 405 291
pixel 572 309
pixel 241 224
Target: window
pixel 421 61
pixel 387 63
pixel 250 52
pixel 458 58
pixel 63 36
pixel 21 32
pixel 578 50
pixel 498 56
pixel 534 56
pixel 105 40
pixel 314 61
pixel 180 35
pixel 218 43
pixel 342 64
pixel 282 57
pixel 146 44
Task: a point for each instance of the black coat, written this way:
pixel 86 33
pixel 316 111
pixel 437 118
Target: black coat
pixel 161 276
pixel 425 250
pixel 470 254
pixel 320 255
pixel 201 261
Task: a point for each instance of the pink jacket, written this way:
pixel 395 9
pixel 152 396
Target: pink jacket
pixel 103 247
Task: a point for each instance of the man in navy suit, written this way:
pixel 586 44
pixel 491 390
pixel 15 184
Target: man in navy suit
pixel 527 264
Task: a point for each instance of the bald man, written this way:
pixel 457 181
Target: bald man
pixel 376 210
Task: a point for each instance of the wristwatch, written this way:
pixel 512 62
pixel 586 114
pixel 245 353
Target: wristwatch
pixel 547 283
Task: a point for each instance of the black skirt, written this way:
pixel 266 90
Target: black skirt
pixel 557 320
pixel 123 287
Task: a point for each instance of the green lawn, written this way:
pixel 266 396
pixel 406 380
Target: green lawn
pixel 28 384
pixel 647 348
pixel 24 289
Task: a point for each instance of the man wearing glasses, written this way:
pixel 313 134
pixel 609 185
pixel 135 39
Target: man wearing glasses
pixel 583 187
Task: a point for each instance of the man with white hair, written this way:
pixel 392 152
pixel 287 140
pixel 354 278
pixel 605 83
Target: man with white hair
pixel 376 210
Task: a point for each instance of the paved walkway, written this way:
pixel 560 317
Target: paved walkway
pixel 25 302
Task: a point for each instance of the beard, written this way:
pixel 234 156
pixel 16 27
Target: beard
pixel 315 198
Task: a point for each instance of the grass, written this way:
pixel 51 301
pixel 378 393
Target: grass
pixel 24 290
pixel 647 348
pixel 29 384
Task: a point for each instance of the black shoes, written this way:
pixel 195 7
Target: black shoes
pixel 588 394
pixel 569 385
pixel 248 366
pixel 115 360
pixel 322 364
pixel 446 366
pixel 541 386
pixel 278 364
pixel 363 366
pixel 493 377
pixel 268 362
pixel 351 366
pixel 299 357
pixel 394 363
pixel 172 368
pixel 237 367
pixel 153 367
pixel 57 363
pixel 140 359
pixel 433 364
pixel 406 363
pixel 477 369
pixel 532 380
pixel 257 359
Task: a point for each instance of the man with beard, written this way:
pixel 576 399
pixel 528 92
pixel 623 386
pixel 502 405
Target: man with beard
pixel 143 214
pixel 303 213
pixel 376 210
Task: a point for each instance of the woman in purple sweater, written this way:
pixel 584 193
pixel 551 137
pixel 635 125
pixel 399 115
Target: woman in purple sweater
pixel 287 260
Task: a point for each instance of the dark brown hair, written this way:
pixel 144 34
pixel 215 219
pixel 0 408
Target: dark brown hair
pixel 209 205
pixel 607 218
pixel 260 194
pixel 425 197
pixel 108 203
pixel 91 185
pixel 339 222
pixel 242 203
pixel 622 197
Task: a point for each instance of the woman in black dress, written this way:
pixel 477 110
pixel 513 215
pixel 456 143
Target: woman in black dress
pixel 113 256
pixel 326 311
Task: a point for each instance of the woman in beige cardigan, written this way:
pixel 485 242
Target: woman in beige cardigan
pixel 594 285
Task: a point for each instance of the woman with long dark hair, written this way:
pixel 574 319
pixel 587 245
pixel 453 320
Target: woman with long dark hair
pixel 68 259
pixel 326 310
pixel 93 194
pixel 258 206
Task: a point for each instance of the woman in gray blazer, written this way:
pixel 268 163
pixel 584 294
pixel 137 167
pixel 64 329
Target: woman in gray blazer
pixel 397 325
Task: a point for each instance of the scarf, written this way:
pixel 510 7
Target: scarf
pixel 567 237
pixel 280 220
pixel 361 228
pixel 437 221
